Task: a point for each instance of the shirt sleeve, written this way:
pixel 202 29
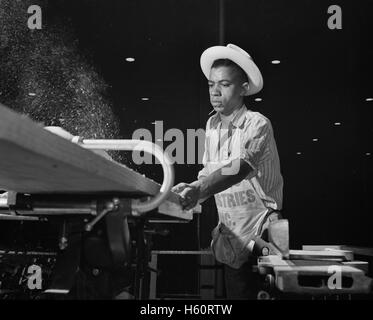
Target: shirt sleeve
pixel 254 142
pixel 204 172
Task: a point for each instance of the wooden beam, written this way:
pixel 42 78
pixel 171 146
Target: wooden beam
pixel 335 255
pixel 36 161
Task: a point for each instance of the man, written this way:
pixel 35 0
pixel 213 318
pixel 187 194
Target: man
pixel 241 166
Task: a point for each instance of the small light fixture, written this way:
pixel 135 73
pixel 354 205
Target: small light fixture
pixel 315 139
pixel 258 99
pixel 368 154
pixel 337 123
pixel 299 153
pixel 369 99
pixel 32 94
pixel 275 61
pixel 130 59
pixel 144 99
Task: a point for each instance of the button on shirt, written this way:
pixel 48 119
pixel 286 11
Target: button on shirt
pixel 248 136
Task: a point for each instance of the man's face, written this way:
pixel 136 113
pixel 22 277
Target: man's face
pixel 226 90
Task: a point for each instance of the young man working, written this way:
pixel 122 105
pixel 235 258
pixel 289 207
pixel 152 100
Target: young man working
pixel 241 165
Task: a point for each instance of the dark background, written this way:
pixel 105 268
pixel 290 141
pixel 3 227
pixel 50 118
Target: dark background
pixel 323 78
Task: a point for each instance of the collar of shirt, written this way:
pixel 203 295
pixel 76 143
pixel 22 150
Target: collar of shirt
pixel 237 121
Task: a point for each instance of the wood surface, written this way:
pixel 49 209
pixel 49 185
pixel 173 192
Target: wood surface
pixel 36 161
pixel 332 254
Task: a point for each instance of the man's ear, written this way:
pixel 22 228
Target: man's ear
pixel 245 89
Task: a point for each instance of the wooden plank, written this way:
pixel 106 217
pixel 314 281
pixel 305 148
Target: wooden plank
pixel 273 260
pixel 36 161
pixel 175 208
pixel 266 264
pixel 314 270
pixel 363 251
pixel 335 255
pixel 321 247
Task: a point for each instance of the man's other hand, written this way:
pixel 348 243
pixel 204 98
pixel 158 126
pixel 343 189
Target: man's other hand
pixel 179 187
pixel 189 194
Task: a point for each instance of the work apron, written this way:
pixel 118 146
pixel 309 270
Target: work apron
pixel 240 208
pixel 241 217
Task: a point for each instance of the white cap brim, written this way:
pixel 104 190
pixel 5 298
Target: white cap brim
pixel 238 56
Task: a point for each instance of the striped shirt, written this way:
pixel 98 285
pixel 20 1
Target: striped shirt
pixel 249 137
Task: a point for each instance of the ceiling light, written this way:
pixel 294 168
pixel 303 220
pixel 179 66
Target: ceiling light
pixel 144 99
pixel 258 99
pixel 298 153
pixel 337 123
pixel 32 94
pixel 275 61
pixel 130 59
pixel 315 139
pixel 368 154
pixel 369 99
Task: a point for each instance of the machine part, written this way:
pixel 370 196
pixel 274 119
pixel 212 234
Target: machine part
pixel 278 236
pixel 63 243
pixel 278 244
pixel 109 206
pixel 139 207
pixel 67 263
pixel 63 239
pixel 42 207
pixel 3 202
pixel 270 281
pixel 95 272
pixel 118 233
pixel 263 295
pixel 8 216
pixel 264 248
pixel 260 247
pixel 315 277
